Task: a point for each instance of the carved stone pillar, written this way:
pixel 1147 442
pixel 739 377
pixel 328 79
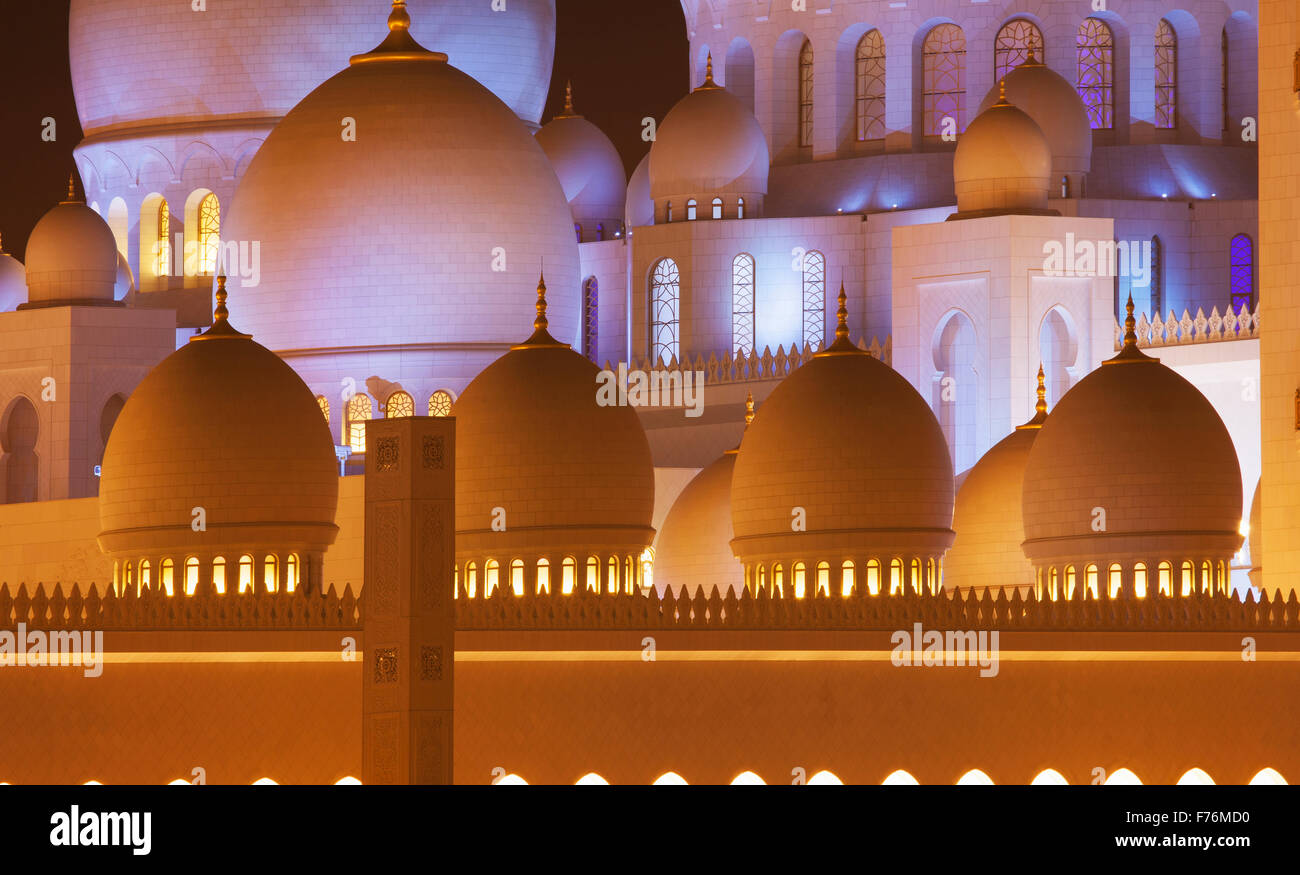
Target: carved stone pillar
pixel 409 614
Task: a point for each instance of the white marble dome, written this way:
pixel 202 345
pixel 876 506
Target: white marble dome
pixel 589 169
pixel 13 282
pixel 71 257
pixel 1055 106
pixel 137 61
pixel 640 206
pixel 397 238
pixel 1003 163
pixel 709 145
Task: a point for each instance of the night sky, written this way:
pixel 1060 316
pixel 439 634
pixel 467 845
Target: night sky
pixel 627 61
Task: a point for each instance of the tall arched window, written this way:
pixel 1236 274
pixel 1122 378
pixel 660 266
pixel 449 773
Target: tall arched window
pixel 209 236
pixel 1242 259
pixel 943 57
pixel 665 292
pixel 691 214
pixel 717 208
pixel 1157 279
pixel 1095 53
pixel 742 303
pixel 162 246
pixel 1015 42
pixel 324 404
pixel 355 428
pixel 440 403
pixel 869 87
pixel 1166 76
pixel 399 405
pixel 814 298
pixel 21 428
pixel 590 318
pixel 806 94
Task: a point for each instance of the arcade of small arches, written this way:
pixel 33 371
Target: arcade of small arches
pixel 611 575
pixel 199 233
pixel 20 430
pixel 360 409
pixel 263 572
pixel 717 208
pixel 896 576
pixel 1136 580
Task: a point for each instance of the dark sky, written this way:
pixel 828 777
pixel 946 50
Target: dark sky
pixel 627 61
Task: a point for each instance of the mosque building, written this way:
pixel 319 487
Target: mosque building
pixel 1005 195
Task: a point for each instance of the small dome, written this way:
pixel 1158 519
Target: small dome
pixel 709 145
pixel 71 256
pixel 848 440
pixel 13 282
pixel 572 475
pixel 1256 537
pixel 640 206
pixel 125 282
pixel 1003 164
pixel 987 552
pixel 1137 449
pixel 693 551
pixel 222 424
pixel 588 166
pixel 1055 106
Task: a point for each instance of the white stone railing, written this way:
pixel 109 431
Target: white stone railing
pixel 1199 329
pixel 739 368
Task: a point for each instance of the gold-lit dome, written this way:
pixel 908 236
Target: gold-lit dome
pixel 987 552
pixel 1003 164
pixel 545 471
pixel 220 451
pixel 846 449
pixel 1256 537
pixel 1133 466
pixel 1054 104
pixel 71 257
pixel 693 551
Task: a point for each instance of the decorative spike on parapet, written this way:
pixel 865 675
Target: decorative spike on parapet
pixel 407 689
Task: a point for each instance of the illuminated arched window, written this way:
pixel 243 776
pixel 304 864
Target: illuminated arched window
pixel 1188 583
pixel 324 404
pixel 400 405
pixel 146 575
pixel 291 569
pixel 1207 578
pixel 209 236
pixel 593 574
pixel 823 578
pixel 162 245
pixel 611 575
pixel 1069 582
pixel 219 575
pixel 590 318
pixel 1095 54
pixel 491 577
pixel 167 576
pixel 717 208
pixel 846 578
pixel 517 577
pixel 543 576
pixel 665 289
pixel 778 580
pixel 1015 42
pixel 191 575
pixel 943 58
pixel 1166 76
pixel 873 577
pixel 869 87
pixel 1140 580
pixel 1091 576
pixel 806 94
pixel 471 580
pixel 568 575
pixel 245 573
pixel 1242 277
pixel 691 214
pixel 440 403
pixel 895 577
pixel 1165 578
pixel 1157 279
pixel 271 573
pixel 797 573
pixel 742 303
pixel 355 429
pixel 814 298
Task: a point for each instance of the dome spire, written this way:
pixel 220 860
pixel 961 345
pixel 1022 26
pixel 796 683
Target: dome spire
pixel 72 191
pixel 1002 93
pixel 749 408
pixel 1040 409
pixel 568 111
pixel 1031 60
pixel 541 335
pixel 221 328
pixel 1130 351
pixel 843 345
pixel 399 45
pixel 709 84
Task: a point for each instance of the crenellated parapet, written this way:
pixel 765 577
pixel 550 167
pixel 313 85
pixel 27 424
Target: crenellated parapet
pixel 740 367
pixel 1194 329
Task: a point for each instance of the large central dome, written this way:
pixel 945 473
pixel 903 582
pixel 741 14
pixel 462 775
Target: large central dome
pixel 423 228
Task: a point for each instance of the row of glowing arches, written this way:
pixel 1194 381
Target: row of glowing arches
pixel 943 66
pixel 717 208
pixel 625 574
pixel 202 238
pixel 1055 584
pixel 900 777
pixel 399 404
pixel 925 577
pixel 137 577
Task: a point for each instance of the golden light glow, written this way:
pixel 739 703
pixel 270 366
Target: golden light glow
pixel 1196 777
pixel 591 779
pixel 900 778
pixel 1123 778
pixel 975 777
pixel 348 781
pixel 1049 778
pixel 747 779
pixel 825 778
pixel 670 779
pixel 1268 777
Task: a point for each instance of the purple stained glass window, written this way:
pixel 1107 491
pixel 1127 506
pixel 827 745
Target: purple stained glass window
pixel 1242 273
pixel 1095 54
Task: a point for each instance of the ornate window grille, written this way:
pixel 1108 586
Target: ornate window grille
pixel 399 406
pixel 440 403
pixel 742 303
pixel 665 294
pixel 162 258
pixel 358 413
pixel 590 318
pixel 806 94
pixel 943 57
pixel 324 404
pixel 1157 278
pixel 1242 261
pixel 209 234
pixel 814 298
pixel 1166 76
pixel 1013 45
pixel 869 88
pixel 1095 53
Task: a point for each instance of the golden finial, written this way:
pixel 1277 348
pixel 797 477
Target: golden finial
pixel 1130 351
pixel 1002 93
pixel 72 190
pixel 842 344
pixel 2 244
pixel 399 45
pixel 221 327
pixel 221 314
pixel 1032 60
pixel 399 18
pixel 749 408
pixel 568 111
pixel 709 84
pixel 1040 409
pixel 541 335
